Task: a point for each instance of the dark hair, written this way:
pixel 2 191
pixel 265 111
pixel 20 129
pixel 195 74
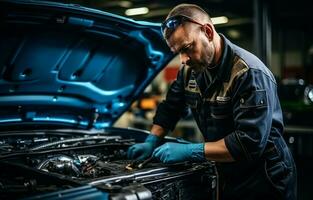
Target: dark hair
pixel 190 10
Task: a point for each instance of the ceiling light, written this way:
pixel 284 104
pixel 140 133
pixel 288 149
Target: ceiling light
pixel 219 20
pixel 234 34
pixel 137 11
pixel 125 4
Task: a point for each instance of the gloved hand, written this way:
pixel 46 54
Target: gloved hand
pixel 143 150
pixel 175 152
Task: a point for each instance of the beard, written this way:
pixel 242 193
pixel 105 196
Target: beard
pixel 198 67
pixel 209 54
pixel 206 59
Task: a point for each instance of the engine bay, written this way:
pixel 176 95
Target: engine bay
pixel 37 162
pixel 78 157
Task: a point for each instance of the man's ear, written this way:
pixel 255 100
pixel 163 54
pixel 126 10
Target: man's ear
pixel 208 30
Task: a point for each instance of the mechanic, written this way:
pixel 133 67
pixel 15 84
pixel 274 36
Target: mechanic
pixel 233 98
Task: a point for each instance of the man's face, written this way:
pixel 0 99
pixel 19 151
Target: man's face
pixel 193 46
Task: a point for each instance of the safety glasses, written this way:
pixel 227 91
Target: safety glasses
pixel 173 22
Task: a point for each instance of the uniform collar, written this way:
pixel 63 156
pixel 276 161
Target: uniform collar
pixel 226 61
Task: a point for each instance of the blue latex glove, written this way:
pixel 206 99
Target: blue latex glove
pixel 144 150
pixel 175 152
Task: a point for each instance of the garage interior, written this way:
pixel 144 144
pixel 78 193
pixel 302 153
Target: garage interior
pixel 278 32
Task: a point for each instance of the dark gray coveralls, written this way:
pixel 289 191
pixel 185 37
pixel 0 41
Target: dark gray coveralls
pixel 237 101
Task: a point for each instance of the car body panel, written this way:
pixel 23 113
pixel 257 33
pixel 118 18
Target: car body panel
pixel 56 58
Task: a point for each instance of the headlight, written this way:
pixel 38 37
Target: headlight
pixel 308 95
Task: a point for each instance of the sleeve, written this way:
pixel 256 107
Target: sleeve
pixel 254 96
pixel 173 107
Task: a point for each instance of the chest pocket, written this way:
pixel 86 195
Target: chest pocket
pixel 221 109
pixel 222 115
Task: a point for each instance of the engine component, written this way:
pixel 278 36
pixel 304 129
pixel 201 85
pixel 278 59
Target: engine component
pixel 94 168
pixel 61 165
pixel 81 139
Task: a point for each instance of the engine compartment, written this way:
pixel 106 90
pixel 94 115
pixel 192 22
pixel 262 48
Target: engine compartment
pixel 77 157
pixel 43 161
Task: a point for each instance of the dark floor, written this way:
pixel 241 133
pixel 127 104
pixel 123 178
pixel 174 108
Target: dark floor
pixel 301 146
pixel 305 178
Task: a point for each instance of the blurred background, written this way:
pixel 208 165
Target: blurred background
pixel 279 32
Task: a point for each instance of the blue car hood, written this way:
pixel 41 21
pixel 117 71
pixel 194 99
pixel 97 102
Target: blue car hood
pixel 67 65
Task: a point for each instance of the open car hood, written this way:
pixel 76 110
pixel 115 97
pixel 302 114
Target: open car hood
pixel 67 65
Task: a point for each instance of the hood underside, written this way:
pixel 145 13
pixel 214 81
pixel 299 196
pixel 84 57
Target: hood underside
pixel 73 66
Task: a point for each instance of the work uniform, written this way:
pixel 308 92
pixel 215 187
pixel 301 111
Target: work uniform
pixel 237 100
